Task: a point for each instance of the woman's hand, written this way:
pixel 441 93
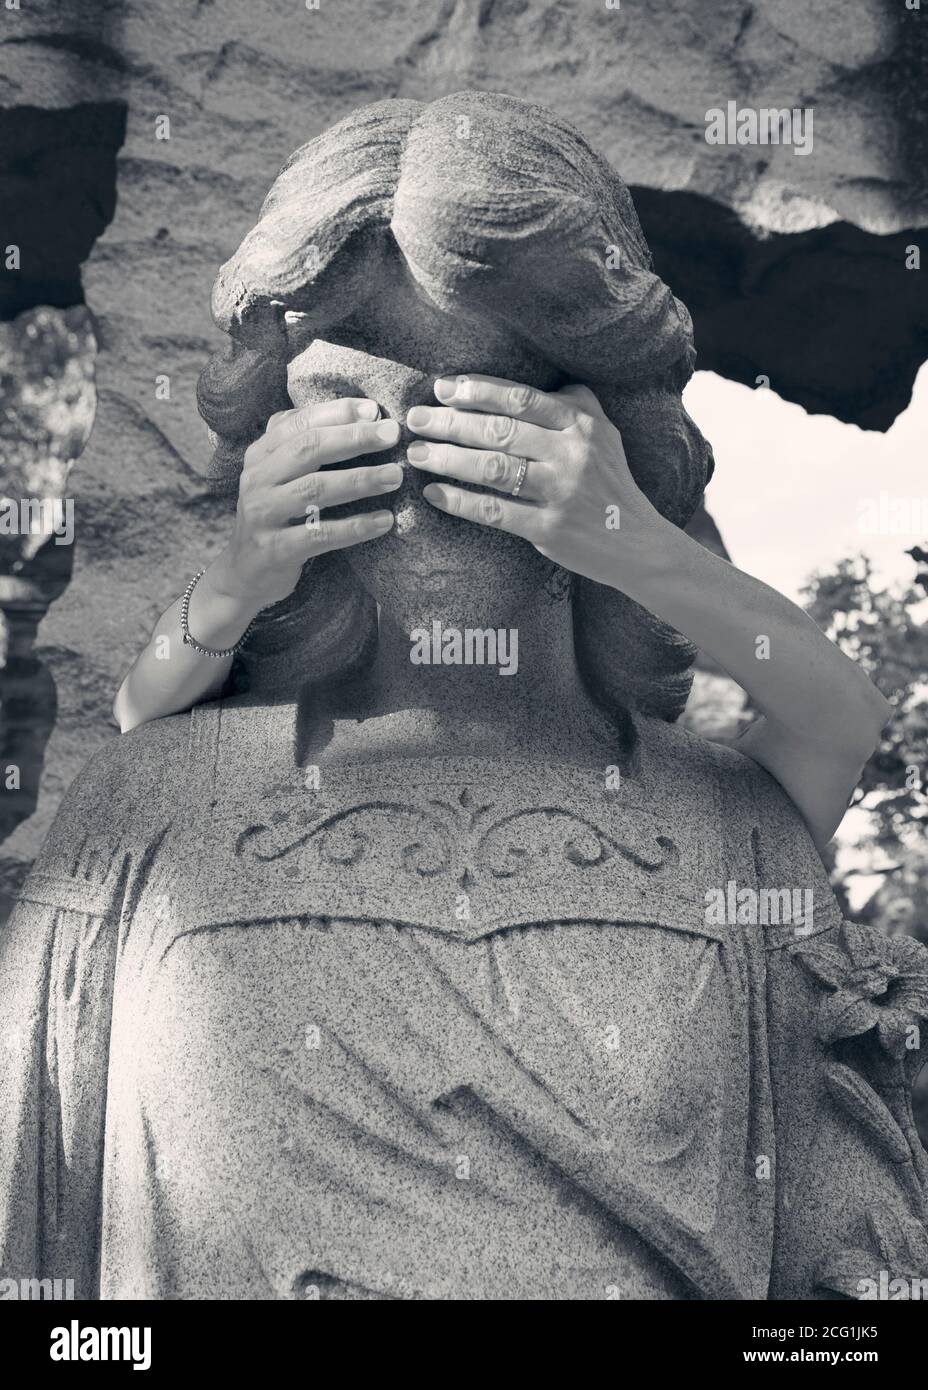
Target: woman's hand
pixel 281 485
pixel 562 464
pixel 556 467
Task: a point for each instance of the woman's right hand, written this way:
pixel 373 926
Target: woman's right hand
pixel 281 486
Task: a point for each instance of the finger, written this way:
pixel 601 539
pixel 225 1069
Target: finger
pixel 485 508
pixel 316 446
pixel 277 417
pixel 338 412
pixel 501 397
pixel 319 490
pixel 316 537
pixel 478 431
pixel 286 424
pixel 486 469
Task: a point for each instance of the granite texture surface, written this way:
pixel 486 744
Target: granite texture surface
pixel 286 1065
pixel 780 258
pixel 407 987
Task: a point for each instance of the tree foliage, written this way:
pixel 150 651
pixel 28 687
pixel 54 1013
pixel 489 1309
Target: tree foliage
pixel 885 631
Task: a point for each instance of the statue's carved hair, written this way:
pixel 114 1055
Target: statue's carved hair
pixel 502 212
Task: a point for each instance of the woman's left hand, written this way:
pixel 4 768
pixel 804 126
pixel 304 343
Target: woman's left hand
pixel 561 456
pixel 554 467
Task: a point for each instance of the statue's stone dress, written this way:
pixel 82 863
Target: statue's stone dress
pixel 438 1028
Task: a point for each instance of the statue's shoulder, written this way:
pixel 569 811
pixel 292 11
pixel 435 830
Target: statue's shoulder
pixel 131 779
pixel 144 758
pixel 759 822
pixel 743 783
pixel 668 746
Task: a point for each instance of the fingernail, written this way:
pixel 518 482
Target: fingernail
pixel 382 521
pixel 388 431
pixel 392 475
pixel 444 388
pixel 416 453
pixel 435 493
pixel 368 410
pixel 419 416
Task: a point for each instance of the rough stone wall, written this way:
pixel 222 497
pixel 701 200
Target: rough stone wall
pixel 787 260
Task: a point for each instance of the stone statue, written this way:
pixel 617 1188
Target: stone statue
pixel 360 985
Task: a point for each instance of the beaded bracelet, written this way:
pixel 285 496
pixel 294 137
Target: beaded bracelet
pixel 191 641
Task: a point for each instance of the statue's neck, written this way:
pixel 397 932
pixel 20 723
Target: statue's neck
pixel 428 692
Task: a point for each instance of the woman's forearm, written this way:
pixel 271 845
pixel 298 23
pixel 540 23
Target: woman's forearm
pixel 169 676
pixel 792 672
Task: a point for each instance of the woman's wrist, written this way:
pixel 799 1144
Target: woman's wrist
pixel 219 612
pixel 648 554
pixel 224 580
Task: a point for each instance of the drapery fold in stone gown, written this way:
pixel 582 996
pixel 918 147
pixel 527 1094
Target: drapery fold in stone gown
pixel 444 1028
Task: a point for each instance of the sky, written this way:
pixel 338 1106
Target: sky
pixel 794 492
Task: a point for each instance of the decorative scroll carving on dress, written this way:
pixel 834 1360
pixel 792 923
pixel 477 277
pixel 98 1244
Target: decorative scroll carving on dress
pixel 463 838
